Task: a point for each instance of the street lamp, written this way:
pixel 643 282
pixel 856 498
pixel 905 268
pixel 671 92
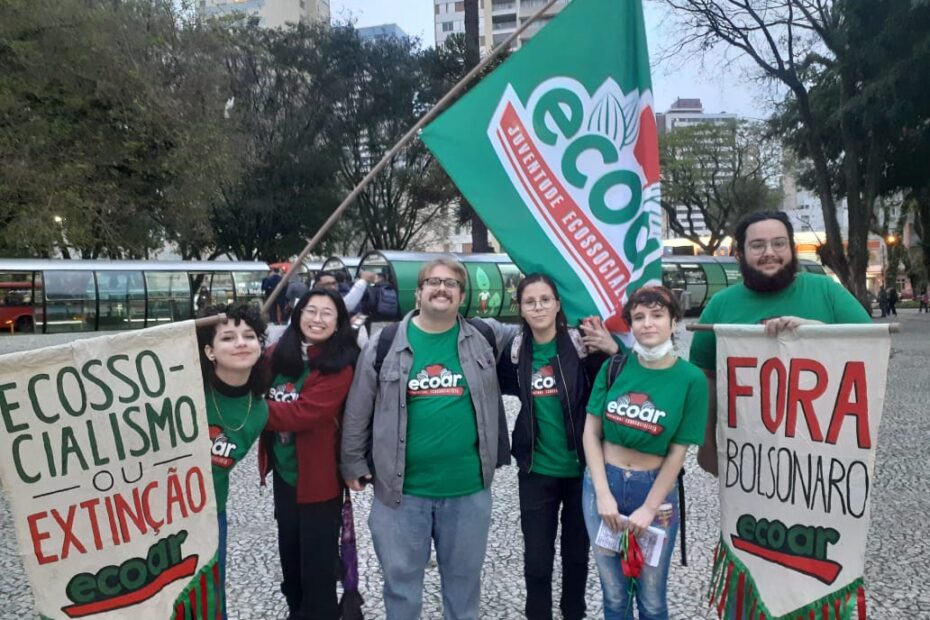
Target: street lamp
pixel 892 268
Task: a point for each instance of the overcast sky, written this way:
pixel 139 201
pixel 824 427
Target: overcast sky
pixel 721 90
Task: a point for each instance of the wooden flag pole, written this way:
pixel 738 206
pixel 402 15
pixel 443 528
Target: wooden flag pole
pixel 429 116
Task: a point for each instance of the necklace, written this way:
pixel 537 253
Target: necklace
pixel 248 412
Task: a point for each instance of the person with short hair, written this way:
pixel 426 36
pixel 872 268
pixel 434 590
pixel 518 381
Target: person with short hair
pixel 235 377
pixel 773 292
pixel 428 421
pixel 638 430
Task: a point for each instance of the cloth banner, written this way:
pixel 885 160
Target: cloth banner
pixel 105 456
pixel 797 425
pixel 557 152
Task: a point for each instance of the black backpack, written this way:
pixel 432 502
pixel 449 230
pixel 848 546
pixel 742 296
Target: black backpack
pixel 614 367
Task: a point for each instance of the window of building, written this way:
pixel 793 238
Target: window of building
pixel 447 26
pixel 459 6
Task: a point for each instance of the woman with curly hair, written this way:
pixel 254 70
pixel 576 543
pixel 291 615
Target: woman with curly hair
pixel 235 377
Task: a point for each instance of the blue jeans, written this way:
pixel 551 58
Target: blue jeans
pixel 459 528
pixel 630 489
pixel 221 523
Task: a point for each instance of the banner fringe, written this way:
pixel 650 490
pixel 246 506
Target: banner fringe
pixel 734 594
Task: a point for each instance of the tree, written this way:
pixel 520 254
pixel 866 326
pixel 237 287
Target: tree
pixel 384 97
pixel 285 84
pixel 854 48
pixel 718 172
pixel 101 148
pixel 445 67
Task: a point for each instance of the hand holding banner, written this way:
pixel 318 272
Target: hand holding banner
pixel 797 424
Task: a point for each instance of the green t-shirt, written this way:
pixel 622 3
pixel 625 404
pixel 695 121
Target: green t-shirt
pixel 646 409
pixel 235 422
pixel 442 433
pixel 551 455
pixel 810 296
pixel 283 449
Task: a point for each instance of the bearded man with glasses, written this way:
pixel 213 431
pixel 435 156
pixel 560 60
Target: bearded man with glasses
pixel 423 422
pixel 773 292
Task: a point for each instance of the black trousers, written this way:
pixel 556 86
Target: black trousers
pixel 541 497
pixel 308 544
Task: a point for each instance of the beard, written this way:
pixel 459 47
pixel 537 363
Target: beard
pixel 757 281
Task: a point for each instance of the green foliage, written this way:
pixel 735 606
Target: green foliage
pixel 854 74
pixel 105 147
pixel 718 172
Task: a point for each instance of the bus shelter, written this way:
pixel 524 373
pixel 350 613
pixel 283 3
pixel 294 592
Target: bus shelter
pixel 490 291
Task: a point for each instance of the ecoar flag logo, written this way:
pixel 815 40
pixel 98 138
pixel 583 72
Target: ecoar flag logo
pixel 557 152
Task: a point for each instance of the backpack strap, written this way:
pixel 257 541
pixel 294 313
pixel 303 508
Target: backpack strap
pixel 487 332
pixel 614 366
pixel 385 340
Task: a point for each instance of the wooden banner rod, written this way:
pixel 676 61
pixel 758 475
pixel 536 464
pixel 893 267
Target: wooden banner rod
pixel 411 133
pixel 207 321
pixel 893 328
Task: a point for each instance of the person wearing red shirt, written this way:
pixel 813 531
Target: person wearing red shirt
pixel 313 363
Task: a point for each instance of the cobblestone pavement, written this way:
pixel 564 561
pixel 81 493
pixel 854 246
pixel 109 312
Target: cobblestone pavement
pixel 897 577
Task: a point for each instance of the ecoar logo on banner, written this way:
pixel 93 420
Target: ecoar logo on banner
pixel 586 168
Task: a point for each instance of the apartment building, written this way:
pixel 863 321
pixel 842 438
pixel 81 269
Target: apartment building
pixel 497 19
pixel 271 13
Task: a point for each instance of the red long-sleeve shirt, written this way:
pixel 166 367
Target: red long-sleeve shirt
pixel 315 419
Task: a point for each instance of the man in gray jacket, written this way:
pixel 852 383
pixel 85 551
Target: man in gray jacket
pixel 429 423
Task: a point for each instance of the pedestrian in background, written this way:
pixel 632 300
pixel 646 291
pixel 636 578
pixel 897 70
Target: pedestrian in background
pixel 883 301
pixel 924 302
pixel 548 366
pixel 313 363
pixel 235 377
pixel 892 301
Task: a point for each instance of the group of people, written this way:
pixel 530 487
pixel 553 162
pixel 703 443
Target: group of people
pixel 599 440
pixel 888 301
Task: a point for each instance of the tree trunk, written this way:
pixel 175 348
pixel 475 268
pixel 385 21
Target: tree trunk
pixel 479 232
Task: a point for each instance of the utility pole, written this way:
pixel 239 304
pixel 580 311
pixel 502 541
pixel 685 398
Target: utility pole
pixel 479 232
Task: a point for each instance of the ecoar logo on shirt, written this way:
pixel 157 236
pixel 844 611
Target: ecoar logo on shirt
pixel 636 411
pixel 435 380
pixel 542 382
pixel 284 393
pixel 222 448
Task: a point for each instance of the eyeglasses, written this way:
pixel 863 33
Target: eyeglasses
pixel 543 302
pixel 778 244
pixel 450 283
pixel 314 312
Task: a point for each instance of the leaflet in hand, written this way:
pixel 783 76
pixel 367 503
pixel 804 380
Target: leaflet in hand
pixel 650 541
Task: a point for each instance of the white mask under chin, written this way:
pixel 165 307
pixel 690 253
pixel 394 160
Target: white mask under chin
pixel 654 354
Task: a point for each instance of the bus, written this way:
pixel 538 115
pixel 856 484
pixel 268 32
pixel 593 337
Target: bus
pixel 52 296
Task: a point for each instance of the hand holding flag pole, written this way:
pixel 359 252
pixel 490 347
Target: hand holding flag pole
pixel 424 120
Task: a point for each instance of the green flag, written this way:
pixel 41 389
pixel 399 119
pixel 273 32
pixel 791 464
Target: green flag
pixel 557 152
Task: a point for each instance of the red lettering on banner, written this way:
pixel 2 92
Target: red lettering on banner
pixel 38 537
pixel 772 420
pixel 853 378
pixel 805 398
pixel 582 239
pixel 734 390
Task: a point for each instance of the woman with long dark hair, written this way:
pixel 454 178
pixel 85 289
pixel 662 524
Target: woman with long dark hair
pixel 313 366
pixel 235 377
pixel 551 367
pixel 640 424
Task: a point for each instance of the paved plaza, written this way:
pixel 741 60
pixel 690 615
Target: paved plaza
pixel 897 574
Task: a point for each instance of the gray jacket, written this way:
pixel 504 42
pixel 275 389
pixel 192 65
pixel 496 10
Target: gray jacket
pixel 377 407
